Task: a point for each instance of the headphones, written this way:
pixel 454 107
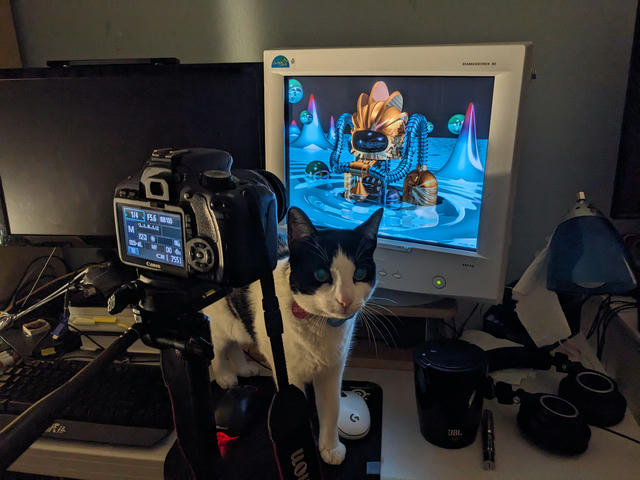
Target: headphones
pixel 558 423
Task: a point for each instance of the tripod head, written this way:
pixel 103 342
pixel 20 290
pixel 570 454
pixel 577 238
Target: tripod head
pixel 169 308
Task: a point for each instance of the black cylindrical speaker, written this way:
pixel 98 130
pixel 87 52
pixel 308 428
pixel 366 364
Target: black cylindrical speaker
pixel 450 377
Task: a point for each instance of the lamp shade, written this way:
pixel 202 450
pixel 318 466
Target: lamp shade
pixel 587 255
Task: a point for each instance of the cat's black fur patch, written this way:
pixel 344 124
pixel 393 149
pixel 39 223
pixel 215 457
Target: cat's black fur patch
pixel 238 304
pixel 311 250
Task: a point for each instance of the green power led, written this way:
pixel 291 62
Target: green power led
pixel 439 281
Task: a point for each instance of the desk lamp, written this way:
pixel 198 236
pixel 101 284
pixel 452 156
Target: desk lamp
pixel 587 257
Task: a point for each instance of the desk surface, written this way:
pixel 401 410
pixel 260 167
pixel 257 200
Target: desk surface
pixel 405 454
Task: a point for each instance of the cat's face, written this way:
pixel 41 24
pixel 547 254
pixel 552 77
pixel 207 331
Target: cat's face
pixel 332 271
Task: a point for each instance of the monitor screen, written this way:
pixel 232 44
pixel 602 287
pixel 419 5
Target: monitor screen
pixel 68 136
pixel 415 145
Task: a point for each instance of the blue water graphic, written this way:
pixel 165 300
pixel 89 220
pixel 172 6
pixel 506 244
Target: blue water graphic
pixel 452 222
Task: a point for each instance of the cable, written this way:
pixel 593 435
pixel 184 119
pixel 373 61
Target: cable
pixel 45 300
pixel 603 318
pixel 83 333
pixel 10 306
pixel 451 327
pixel 38 278
pixel 26 272
pixel 609 317
pixel 464 324
pixel 619 434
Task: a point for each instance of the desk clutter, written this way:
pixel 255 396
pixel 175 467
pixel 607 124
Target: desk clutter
pixel 363 456
pixel 128 406
pixel 452 379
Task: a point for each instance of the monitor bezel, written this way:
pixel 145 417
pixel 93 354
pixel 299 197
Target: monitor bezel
pixel 507 63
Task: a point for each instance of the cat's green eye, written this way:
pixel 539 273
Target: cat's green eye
pixel 321 275
pixel 360 274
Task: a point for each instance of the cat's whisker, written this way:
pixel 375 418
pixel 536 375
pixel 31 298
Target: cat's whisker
pixel 360 249
pixel 384 320
pixel 382 307
pixel 375 317
pixel 361 320
pixel 387 311
pixel 375 345
pixel 383 315
pixel 322 253
pixel 374 325
pixel 392 338
pixel 375 297
pixel 317 323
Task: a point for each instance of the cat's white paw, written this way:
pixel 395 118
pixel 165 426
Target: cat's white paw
pixel 251 369
pixel 333 456
pixel 227 380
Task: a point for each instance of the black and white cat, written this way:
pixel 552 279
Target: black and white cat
pixel 321 286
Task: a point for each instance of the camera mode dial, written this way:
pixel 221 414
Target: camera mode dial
pixel 200 256
pixel 217 180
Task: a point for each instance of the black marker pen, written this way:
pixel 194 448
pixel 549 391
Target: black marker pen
pixel 488 441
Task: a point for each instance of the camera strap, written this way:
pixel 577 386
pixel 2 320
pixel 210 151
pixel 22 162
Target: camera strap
pixel 289 422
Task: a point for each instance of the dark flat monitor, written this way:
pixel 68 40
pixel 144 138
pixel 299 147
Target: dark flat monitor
pixel 68 135
pixel 626 194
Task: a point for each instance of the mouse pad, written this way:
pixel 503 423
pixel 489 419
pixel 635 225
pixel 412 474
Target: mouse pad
pixel 250 457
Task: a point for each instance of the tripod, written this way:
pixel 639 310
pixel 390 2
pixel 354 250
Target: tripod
pixel 169 314
pixel 169 319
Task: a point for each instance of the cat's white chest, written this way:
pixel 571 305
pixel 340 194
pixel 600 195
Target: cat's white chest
pixel 313 347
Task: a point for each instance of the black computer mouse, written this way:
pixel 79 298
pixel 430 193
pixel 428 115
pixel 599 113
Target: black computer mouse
pixel 239 409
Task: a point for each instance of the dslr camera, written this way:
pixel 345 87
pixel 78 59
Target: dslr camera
pixel 187 214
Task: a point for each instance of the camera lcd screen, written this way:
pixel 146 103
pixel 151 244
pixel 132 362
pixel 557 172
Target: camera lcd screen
pixel 416 146
pixel 153 235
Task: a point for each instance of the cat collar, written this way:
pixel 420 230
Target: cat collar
pixel 301 313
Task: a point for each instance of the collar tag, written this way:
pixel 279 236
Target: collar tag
pixel 336 322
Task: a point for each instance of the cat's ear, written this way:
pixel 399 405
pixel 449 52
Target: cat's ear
pixel 369 229
pixel 299 226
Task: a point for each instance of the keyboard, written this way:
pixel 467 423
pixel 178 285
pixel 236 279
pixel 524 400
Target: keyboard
pixel 127 404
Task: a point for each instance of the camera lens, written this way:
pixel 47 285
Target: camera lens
pixel 269 180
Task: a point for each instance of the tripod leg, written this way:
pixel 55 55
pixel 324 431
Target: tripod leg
pixel 187 378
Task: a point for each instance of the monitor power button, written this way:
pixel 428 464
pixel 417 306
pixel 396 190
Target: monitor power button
pixel 439 281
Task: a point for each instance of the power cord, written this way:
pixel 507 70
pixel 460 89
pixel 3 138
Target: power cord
pixel 86 335
pixel 627 437
pixel 464 324
pixel 605 314
pixel 27 271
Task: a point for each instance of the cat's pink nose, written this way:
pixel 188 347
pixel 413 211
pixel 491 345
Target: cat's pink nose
pixel 345 302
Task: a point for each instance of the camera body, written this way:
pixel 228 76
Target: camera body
pixel 186 214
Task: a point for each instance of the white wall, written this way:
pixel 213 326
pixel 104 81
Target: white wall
pixel 571 120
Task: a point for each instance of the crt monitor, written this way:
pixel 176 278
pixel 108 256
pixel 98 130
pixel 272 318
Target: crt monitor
pixel 428 133
pixel 68 136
